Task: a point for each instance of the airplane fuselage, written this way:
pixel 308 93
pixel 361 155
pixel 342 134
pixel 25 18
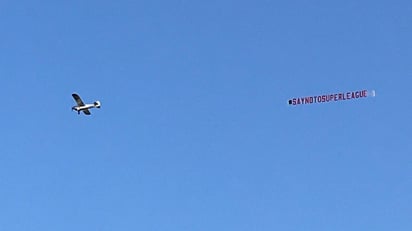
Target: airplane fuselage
pixel 85 107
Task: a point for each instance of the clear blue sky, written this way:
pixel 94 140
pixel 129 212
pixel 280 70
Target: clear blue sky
pixel 195 132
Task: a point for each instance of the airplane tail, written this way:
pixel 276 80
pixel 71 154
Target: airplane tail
pixel 97 104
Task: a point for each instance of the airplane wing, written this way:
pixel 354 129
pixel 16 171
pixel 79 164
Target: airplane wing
pixel 79 101
pixel 86 111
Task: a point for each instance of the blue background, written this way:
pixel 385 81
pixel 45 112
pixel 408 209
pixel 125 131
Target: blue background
pixel 195 132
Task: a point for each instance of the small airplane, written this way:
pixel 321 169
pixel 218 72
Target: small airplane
pixel 83 107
